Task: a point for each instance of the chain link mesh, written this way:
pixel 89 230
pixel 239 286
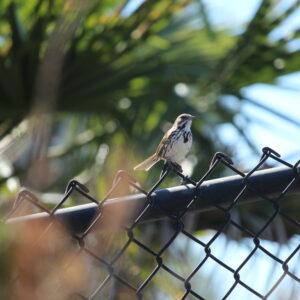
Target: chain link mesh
pixel 112 254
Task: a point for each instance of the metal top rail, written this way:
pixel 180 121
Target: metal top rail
pixel 269 182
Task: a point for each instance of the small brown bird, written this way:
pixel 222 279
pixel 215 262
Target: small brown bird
pixel 174 146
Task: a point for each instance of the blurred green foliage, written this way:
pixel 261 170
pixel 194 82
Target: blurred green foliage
pixel 114 81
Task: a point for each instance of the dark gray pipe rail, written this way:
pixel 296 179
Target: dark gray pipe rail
pixel 269 182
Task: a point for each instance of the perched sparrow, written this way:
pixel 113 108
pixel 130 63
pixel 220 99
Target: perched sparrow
pixel 174 146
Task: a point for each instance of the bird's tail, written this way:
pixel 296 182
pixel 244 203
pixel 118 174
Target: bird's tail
pixel 147 163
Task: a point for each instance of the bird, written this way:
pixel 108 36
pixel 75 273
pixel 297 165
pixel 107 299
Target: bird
pixel 174 146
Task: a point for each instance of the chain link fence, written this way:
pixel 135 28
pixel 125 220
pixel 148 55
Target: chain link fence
pixel 108 255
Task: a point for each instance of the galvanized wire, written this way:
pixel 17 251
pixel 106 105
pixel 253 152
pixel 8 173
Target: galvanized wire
pixel 110 266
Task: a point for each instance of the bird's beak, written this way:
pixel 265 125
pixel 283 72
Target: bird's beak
pixel 192 117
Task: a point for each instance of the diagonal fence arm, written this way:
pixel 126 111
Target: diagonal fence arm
pixel 222 191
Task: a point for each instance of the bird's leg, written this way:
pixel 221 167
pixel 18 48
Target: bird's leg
pixel 184 180
pixel 176 166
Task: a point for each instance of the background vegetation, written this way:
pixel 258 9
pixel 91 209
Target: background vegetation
pixel 87 88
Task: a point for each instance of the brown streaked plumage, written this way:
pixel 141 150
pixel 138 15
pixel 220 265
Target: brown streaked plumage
pixel 174 146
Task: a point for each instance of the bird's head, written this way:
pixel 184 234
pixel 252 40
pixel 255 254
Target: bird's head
pixel 184 121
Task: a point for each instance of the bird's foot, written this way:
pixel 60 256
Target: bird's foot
pixel 176 166
pixel 184 180
pixel 170 165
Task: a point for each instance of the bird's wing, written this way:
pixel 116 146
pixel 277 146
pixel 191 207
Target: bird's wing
pixel 161 148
